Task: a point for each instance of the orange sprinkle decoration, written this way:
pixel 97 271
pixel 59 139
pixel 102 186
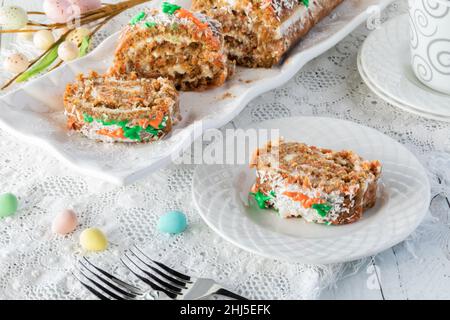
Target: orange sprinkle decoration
pixel 157 120
pixel 306 201
pixel 112 134
pixel 144 123
pixel 183 13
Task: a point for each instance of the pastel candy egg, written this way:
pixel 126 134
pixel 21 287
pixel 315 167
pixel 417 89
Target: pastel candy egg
pixel 13 17
pixel 93 239
pixel 77 35
pixel 65 222
pixel 173 222
pixel 43 39
pixel 68 51
pixel 16 63
pixel 87 5
pixel 8 205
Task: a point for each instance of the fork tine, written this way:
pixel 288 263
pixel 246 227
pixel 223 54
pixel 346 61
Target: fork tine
pixel 98 294
pixel 100 288
pixel 175 281
pixel 130 287
pixel 111 285
pixel 159 281
pixel 166 268
pixel 153 285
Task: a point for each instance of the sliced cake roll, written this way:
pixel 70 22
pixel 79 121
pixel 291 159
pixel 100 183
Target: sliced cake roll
pixel 319 185
pixel 185 47
pixel 258 32
pixel 113 110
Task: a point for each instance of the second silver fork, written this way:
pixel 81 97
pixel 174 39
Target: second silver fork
pixel 170 282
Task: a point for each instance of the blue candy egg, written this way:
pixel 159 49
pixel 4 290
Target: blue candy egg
pixel 172 222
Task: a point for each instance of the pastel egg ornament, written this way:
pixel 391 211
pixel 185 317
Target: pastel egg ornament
pixel 13 17
pixel 93 239
pixel 68 51
pixel 25 36
pixel 43 39
pixel 8 205
pixel 77 35
pixel 16 63
pixel 62 11
pixel 65 222
pixel 173 222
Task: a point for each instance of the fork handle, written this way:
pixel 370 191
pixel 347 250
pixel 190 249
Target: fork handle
pixel 229 294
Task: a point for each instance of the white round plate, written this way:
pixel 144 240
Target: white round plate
pixel 385 67
pixel 221 193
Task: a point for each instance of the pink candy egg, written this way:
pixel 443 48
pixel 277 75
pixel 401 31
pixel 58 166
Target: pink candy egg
pixel 61 11
pixel 65 222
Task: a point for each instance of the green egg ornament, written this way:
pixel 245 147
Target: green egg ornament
pixel 8 205
pixel 173 222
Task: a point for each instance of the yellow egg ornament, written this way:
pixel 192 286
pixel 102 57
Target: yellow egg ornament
pixel 16 63
pixel 93 239
pixel 77 35
pixel 43 39
pixel 68 51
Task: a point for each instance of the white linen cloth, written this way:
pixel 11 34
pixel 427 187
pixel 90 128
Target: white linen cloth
pixel 34 263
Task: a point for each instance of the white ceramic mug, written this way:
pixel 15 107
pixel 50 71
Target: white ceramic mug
pixel 430 42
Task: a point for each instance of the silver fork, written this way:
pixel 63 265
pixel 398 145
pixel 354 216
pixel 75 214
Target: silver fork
pixel 170 282
pixel 105 286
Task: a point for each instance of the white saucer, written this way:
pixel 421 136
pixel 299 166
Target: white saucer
pixel 384 65
pixel 221 195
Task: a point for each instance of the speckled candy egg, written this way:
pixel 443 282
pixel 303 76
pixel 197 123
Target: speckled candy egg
pixel 8 205
pixel 172 222
pixel 93 239
pixel 77 35
pixel 65 222
pixel 43 39
pixel 61 11
pixel 16 63
pixel 68 51
pixel 12 17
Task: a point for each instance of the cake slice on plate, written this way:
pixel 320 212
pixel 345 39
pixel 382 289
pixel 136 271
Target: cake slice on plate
pixel 114 110
pixel 185 47
pixel 319 185
pixel 258 32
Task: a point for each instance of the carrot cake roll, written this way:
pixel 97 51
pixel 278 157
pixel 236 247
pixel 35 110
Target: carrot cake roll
pixel 114 110
pixel 319 185
pixel 258 32
pixel 185 47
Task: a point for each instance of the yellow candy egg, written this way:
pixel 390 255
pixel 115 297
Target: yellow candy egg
pixel 77 35
pixel 43 39
pixel 12 17
pixel 93 239
pixel 16 63
pixel 68 51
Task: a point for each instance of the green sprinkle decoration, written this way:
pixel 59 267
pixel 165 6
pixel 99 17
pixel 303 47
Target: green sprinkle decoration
pixel 45 62
pixel 261 198
pixel 84 47
pixel 169 8
pixel 87 118
pixel 306 3
pixel 137 18
pixel 322 208
pixel 130 132
pixel 150 24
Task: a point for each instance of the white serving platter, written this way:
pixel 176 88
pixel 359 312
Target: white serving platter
pixel 34 112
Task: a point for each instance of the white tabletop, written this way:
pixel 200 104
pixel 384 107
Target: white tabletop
pixel 328 86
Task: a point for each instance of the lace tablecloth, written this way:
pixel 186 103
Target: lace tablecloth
pixel 34 263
